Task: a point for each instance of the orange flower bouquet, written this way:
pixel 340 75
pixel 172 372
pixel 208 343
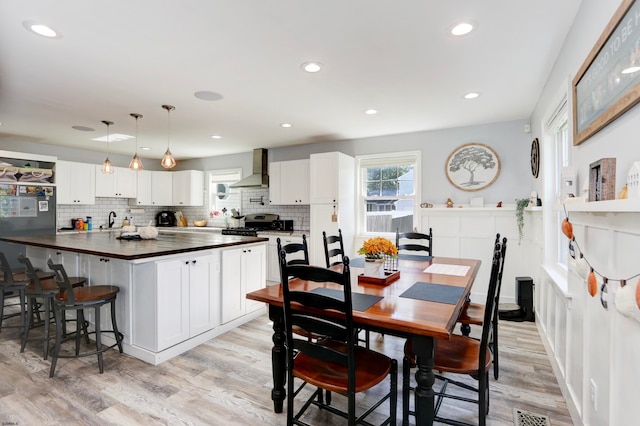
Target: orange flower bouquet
pixel 376 248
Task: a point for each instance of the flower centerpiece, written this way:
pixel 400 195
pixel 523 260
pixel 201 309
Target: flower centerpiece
pixel 375 250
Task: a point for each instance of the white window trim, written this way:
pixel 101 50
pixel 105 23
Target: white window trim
pixel 386 159
pixel 208 173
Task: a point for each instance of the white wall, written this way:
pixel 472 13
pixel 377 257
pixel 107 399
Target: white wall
pixel 587 342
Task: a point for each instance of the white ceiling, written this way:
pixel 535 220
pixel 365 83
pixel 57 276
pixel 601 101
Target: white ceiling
pixel 132 56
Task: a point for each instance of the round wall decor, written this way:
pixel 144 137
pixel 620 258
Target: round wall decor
pixel 535 158
pixel 472 167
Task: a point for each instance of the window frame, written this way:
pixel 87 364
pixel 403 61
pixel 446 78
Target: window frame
pixel 220 172
pixel 384 159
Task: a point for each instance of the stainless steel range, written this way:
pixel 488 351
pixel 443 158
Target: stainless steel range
pixel 254 223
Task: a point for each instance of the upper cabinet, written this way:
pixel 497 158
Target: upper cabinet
pixel 289 182
pixel 75 183
pixel 188 188
pixel 120 184
pixel 154 188
pixel 331 174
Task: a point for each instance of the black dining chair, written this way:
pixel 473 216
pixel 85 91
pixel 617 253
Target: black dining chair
pixel 473 314
pixel 336 363
pixel 460 355
pixel 414 241
pixel 333 248
pixel 297 253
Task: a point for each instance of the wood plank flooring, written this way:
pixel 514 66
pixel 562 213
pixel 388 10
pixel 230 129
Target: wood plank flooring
pixel 227 381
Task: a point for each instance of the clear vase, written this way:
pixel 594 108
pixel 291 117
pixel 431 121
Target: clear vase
pixel 374 267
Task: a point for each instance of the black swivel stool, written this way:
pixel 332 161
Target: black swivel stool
pixel 77 299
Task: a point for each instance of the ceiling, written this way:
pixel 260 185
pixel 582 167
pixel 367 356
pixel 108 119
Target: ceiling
pixel 131 56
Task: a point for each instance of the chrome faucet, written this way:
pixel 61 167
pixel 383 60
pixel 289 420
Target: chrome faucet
pixel 111 220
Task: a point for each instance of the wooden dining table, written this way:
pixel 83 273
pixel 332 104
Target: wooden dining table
pixel 423 304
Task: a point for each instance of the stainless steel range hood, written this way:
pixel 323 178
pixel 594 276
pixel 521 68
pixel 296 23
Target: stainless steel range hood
pixel 260 177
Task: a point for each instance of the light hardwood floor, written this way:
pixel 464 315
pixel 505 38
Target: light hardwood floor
pixel 227 381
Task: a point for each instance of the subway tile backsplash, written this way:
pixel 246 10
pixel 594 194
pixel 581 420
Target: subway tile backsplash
pixel 251 203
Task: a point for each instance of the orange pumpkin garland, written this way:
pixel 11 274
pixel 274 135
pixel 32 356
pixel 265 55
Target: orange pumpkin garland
pixel 567 228
pixel 593 283
pixel 638 294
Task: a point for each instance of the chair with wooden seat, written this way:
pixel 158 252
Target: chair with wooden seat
pixel 40 293
pixel 460 355
pixel 473 314
pixel 13 284
pixel 78 299
pixel 414 242
pixel 335 364
pixel 333 248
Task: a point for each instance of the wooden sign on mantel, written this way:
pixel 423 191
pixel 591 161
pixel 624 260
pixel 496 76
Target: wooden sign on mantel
pixel 602 180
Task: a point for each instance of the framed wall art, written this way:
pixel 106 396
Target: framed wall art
pixel 472 167
pixel 608 82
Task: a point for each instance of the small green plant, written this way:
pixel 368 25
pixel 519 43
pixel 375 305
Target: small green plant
pixel 520 205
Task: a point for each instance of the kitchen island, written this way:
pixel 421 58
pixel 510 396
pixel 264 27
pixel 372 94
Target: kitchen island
pixel 176 291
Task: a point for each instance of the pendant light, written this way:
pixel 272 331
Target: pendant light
pixel 168 162
pixel 107 167
pixel 136 162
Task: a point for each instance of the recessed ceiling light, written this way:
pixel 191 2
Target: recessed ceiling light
pixel 471 95
pixel 216 137
pixel 371 111
pixel 83 128
pixel 145 148
pixel 41 29
pixel 206 95
pixel 115 137
pixel 630 70
pixel 462 28
pixel 311 66
pixel 286 125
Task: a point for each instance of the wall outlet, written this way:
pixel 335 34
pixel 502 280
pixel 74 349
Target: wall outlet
pixel 593 394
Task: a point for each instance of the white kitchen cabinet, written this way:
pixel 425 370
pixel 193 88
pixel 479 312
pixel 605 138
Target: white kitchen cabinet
pixel 290 184
pixel 75 183
pixel 275 195
pixel 119 184
pixel 101 270
pixel 243 271
pixel 332 202
pixel 273 262
pixel 187 297
pixel 153 188
pixel 188 188
pixel 330 172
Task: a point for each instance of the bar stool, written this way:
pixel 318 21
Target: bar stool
pixel 13 283
pixel 77 299
pixel 44 289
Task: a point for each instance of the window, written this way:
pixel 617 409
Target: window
pixel 558 131
pixel 221 196
pixel 387 188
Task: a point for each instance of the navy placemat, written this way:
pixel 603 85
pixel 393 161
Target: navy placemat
pixel 361 302
pixel 434 293
pixel 414 257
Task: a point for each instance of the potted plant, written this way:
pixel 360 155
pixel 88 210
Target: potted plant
pixel 375 250
pixel 520 205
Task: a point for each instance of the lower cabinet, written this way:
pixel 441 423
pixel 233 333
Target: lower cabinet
pixel 187 298
pixel 243 271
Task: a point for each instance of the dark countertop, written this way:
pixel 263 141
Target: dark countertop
pixel 106 244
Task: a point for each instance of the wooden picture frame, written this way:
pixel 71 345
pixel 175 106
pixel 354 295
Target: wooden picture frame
pixel 608 82
pixel 472 167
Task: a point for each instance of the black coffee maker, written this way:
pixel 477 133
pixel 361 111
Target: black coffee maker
pixel 165 218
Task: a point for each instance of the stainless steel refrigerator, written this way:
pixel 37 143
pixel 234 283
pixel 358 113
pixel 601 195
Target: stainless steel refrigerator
pixel 25 209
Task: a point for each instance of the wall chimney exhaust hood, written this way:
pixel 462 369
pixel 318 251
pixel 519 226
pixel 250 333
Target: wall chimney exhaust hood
pixel 260 177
